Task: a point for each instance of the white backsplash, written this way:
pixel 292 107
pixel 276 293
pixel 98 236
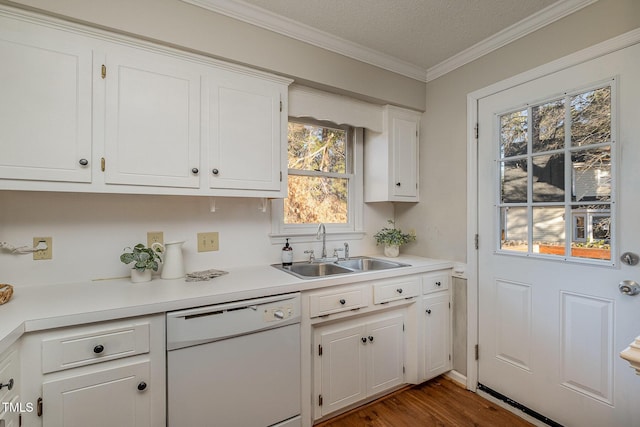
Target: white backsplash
pixel 89 232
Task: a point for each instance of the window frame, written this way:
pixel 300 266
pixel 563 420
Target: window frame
pixel 568 204
pixel 355 200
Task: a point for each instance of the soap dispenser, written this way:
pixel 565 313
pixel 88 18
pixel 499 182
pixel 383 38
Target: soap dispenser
pixel 287 254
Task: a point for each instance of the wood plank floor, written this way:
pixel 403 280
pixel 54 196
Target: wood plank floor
pixel 439 402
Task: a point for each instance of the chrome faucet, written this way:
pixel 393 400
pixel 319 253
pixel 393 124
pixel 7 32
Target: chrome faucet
pixel 322 233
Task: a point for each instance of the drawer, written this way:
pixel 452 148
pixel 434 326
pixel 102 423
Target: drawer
pixel 433 282
pixel 85 349
pixel 396 290
pixel 9 371
pixel 321 304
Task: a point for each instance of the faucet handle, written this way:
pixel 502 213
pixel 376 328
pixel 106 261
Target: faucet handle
pixel 336 250
pixel 311 256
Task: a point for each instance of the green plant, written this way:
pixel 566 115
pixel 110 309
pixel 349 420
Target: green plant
pixel 144 258
pixel 392 236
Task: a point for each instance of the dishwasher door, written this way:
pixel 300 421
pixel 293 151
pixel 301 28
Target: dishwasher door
pixel 247 381
pixel 235 364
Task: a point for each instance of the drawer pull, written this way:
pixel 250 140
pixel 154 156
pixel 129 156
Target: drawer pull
pixel 8 385
pixel 370 338
pixel 438 284
pixel 343 301
pixel 98 349
pixel 142 386
pixel 428 311
pixel 399 290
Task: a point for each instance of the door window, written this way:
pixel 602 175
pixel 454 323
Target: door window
pixel 555 164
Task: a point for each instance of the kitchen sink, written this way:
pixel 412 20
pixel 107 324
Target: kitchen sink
pixel 312 270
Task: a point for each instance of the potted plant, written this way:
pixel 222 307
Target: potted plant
pixel 392 238
pixel 145 259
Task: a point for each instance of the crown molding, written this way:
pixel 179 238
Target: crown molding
pixel 510 34
pixel 260 17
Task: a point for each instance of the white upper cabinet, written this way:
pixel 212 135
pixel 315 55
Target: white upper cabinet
pixel 244 132
pixel 90 111
pixel 45 104
pixel 152 119
pixel 391 158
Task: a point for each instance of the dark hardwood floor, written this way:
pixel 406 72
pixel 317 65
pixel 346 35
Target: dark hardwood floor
pixel 439 402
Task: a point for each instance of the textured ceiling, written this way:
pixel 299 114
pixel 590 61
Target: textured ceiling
pixel 420 32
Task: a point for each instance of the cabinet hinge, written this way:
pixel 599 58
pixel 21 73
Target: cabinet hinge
pixel 103 163
pixel 39 407
pixel 19 420
pixel 319 349
pixel 403 369
pixel 449 357
pixel 104 71
pixel 477 131
pixel 319 400
pixel 477 349
pixel 281 106
pixel 477 243
pixel 403 327
pixel 280 176
pixel 449 306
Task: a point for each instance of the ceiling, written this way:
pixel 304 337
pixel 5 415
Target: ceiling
pixel 411 37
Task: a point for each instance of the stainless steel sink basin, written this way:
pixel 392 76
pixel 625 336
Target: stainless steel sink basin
pixel 307 270
pixel 366 264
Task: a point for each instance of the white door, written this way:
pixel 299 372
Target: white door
pixel 554 176
pixel 244 132
pixel 152 134
pixel 45 104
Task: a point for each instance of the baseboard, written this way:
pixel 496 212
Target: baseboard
pixel 457 377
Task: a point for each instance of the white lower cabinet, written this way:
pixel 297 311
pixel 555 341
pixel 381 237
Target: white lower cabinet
pixel 119 396
pixel 436 322
pixel 99 375
pixel 11 406
pixel 358 358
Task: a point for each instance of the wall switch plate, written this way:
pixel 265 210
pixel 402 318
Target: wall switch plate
pixel 155 237
pixel 44 253
pixel 208 241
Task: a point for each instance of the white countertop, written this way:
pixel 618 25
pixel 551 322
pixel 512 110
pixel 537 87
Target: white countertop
pixel 35 308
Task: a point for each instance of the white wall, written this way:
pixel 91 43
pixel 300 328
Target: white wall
pixel 440 219
pixel 90 230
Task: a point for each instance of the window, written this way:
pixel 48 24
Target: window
pixel 555 163
pixel 323 186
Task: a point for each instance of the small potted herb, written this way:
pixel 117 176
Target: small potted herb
pixel 392 238
pixel 144 259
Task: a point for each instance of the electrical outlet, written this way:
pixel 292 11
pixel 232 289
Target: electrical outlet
pixel 208 241
pixel 44 253
pixel 155 237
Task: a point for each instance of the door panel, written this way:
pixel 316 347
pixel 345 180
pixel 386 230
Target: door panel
pixel 551 326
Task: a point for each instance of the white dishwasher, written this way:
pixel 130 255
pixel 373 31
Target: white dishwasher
pixel 235 364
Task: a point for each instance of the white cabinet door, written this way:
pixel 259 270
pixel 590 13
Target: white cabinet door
pixel 343 379
pixel 404 137
pixel 244 132
pixel 114 397
pixel 385 358
pixel 152 117
pixel 45 104
pixel 437 335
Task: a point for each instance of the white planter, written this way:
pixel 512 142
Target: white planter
pixel 391 251
pixel 140 276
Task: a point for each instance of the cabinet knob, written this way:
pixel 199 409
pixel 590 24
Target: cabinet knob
pixel 398 184
pixel 343 301
pixel 98 349
pixel 428 311
pixel 215 171
pixel 83 162
pixel 142 386
pixel 399 290
pixel 370 338
pixel 194 171
pixel 8 385
pixel 364 340
pixel 438 284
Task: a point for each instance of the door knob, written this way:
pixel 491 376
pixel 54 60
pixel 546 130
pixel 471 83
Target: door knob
pixel 142 386
pixel 629 287
pixel 428 311
pixel 364 340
